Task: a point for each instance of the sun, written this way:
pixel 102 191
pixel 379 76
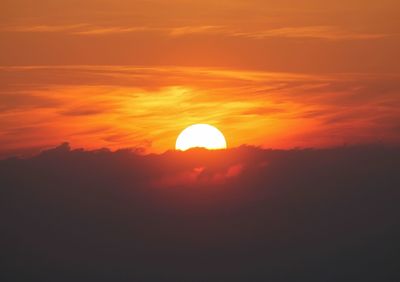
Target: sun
pixel 200 136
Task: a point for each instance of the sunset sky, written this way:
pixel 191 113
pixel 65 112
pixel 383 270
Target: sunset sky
pixel 199 140
pixel 268 73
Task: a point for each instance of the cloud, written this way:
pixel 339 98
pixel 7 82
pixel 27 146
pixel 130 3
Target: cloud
pixel 189 30
pixel 313 32
pixel 86 29
pixel 77 214
pixel 199 175
pixel 113 30
pixel 88 110
pixel 43 28
pixel 11 101
pixel 77 29
pixel 301 32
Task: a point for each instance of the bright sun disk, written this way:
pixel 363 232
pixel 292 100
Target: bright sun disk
pixel 200 136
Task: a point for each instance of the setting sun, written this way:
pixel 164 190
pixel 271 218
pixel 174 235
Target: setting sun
pixel 200 136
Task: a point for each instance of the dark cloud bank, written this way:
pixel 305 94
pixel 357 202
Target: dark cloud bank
pixel 243 214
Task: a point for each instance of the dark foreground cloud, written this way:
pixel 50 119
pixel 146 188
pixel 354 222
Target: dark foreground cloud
pixel 243 214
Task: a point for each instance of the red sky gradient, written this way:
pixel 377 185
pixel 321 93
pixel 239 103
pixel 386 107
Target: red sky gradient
pixel 134 73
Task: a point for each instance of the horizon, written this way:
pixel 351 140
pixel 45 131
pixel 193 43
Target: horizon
pixel 142 152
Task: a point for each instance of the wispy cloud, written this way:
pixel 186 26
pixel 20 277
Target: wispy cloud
pixel 187 30
pixel 86 29
pixel 44 28
pixel 114 30
pixel 315 32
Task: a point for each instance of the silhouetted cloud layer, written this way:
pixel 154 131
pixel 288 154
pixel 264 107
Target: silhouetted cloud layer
pixel 243 214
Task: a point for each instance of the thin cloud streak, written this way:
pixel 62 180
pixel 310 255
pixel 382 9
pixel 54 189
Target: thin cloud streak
pixel 314 32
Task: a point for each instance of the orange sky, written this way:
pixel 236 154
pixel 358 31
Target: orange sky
pixel 135 73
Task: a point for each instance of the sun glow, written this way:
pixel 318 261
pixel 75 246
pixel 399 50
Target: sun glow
pixel 200 136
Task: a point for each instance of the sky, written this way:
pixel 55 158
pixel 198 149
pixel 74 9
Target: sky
pixel 275 74
pixel 94 93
